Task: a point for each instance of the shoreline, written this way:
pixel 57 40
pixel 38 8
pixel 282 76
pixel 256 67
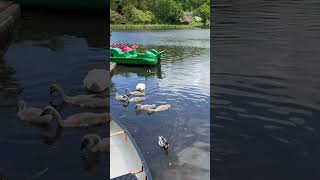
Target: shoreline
pixel 134 27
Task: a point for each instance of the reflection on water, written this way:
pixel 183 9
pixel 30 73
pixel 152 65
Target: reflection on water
pixel 46 49
pixel 266 90
pixel 181 80
pixel 9 85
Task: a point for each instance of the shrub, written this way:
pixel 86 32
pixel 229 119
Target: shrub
pixel 204 12
pixel 167 11
pixel 136 16
pixel 112 16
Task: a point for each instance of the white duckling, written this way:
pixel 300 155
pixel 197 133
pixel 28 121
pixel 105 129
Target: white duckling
pixel 94 143
pixel 140 107
pixel 77 120
pixel 134 93
pixel 85 101
pixel 160 108
pixel 32 114
pixel 163 142
pixel 140 87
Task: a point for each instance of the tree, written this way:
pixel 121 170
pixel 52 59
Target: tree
pixel 161 11
pixel 136 16
pixel 113 5
pixel 167 11
pixel 190 5
pixel 112 16
pixel 204 12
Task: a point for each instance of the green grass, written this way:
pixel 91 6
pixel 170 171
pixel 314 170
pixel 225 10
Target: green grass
pixel 134 27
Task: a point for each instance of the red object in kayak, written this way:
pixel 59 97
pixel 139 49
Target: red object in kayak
pixel 136 46
pixel 113 45
pixel 124 48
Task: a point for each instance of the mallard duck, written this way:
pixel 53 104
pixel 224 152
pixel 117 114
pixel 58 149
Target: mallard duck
pixel 140 87
pixel 32 114
pixel 150 72
pixel 145 107
pixel 77 120
pixel 94 143
pixel 85 101
pixel 163 142
pixel 134 99
pixel 160 108
pixel 134 93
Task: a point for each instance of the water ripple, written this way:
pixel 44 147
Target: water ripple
pixel 265 89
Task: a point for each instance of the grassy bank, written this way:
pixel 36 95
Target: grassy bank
pixel 133 27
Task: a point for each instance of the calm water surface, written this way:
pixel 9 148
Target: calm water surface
pixel 266 90
pixel 46 49
pixel 181 80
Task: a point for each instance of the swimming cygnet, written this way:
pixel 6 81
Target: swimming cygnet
pixel 32 114
pixel 135 93
pixel 94 143
pixel 122 98
pixel 160 108
pixel 134 99
pixel 78 120
pixel 145 107
pixel 85 101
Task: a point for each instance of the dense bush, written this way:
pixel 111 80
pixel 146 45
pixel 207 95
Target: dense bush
pixel 204 12
pixel 116 18
pixel 136 16
pixel 167 11
pixel 159 11
pixel 112 16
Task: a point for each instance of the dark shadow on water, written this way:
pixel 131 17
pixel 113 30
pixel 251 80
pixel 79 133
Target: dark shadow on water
pixel 266 90
pixel 46 49
pixel 140 71
pixel 38 25
pixel 9 85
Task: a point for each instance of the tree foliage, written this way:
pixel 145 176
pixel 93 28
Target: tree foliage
pixel 136 16
pixel 167 11
pixel 158 11
pixel 204 12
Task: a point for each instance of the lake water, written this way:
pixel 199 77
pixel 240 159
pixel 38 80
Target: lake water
pixel 266 90
pixel 46 49
pixel 181 80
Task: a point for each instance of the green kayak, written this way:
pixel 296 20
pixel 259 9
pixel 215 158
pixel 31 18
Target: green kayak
pixel 148 58
pixel 86 5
